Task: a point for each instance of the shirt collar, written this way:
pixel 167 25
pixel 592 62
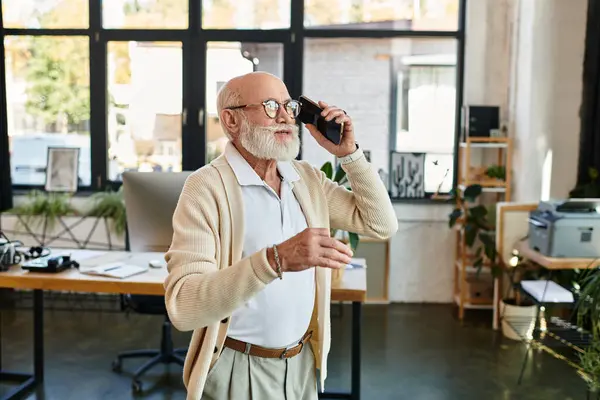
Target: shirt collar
pixel 246 176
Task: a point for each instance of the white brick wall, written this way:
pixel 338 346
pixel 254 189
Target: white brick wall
pixel 354 75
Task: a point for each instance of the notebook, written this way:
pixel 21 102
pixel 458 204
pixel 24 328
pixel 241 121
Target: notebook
pixel 115 270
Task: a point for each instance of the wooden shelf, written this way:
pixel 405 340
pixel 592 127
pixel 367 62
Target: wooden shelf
pixel 500 191
pixel 472 139
pixel 489 183
pixel 474 304
pixel 485 189
pixel 487 145
pixel 485 268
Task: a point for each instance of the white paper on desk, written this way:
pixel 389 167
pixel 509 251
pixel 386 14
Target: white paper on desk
pixel 80 255
pixel 553 293
pixel 115 270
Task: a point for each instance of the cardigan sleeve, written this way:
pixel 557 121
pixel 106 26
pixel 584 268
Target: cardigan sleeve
pixel 198 292
pixel 367 208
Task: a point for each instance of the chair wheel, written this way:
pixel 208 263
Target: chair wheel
pixel 136 386
pixel 117 366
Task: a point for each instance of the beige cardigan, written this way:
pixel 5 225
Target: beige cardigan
pixel 208 279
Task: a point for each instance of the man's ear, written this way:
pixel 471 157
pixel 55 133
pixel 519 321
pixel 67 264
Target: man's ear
pixel 231 120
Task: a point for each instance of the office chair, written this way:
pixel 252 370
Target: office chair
pixel 167 354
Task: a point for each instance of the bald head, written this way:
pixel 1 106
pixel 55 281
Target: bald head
pixel 251 88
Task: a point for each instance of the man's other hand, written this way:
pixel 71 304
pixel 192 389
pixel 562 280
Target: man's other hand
pixel 313 247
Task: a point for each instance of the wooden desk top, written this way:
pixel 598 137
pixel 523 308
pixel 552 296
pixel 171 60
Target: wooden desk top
pixel 555 263
pixel 352 288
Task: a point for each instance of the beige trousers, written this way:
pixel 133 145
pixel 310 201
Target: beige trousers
pixel 237 376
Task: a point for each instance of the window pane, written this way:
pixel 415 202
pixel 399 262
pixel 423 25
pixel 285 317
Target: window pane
pixel 226 60
pixel 144 107
pixel 147 14
pixel 247 14
pixel 34 14
pixel 403 89
pixel 48 103
pixel 416 15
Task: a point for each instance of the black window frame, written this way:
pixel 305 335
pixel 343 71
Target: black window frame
pixel 194 40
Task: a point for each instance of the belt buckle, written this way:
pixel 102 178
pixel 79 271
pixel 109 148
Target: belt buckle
pixel 282 356
pixel 284 353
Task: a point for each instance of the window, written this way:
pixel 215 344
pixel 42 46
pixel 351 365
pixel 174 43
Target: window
pixel 393 88
pixel 144 107
pixel 133 83
pixel 426 107
pixel 48 103
pixel 412 15
pixel 225 60
pixel 147 14
pixel 45 14
pixel 247 14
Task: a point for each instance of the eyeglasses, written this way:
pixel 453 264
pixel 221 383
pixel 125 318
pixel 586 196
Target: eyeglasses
pixel 272 106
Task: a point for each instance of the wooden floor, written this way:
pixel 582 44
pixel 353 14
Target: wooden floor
pixel 409 352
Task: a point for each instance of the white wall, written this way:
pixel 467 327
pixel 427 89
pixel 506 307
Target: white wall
pixel 422 255
pixel 549 50
pixel 525 56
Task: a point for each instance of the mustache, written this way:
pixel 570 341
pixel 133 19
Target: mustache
pixel 293 128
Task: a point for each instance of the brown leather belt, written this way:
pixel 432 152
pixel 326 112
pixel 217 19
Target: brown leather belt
pixel 264 352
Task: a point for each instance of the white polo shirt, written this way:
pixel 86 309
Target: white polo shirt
pixel 279 315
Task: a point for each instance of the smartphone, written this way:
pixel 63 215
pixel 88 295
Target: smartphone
pixel 310 113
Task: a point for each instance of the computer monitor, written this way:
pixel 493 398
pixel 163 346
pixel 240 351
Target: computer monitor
pixel 150 201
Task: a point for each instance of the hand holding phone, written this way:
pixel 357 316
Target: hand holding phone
pixel 310 113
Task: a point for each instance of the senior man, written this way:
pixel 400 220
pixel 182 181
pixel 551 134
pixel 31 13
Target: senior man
pixel 251 257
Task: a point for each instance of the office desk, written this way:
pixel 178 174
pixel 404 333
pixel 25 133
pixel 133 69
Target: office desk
pixel 353 288
pixel 553 263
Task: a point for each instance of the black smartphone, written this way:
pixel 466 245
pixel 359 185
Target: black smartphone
pixel 310 113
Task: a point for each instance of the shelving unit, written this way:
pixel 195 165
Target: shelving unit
pixel 468 174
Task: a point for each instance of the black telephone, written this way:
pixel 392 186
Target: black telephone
pixel 310 113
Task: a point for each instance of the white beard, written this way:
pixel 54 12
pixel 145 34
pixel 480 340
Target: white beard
pixel 260 141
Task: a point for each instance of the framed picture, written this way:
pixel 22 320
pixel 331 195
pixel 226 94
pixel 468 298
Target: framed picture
pixel 407 175
pixel 62 169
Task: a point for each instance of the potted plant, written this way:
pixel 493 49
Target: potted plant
pixel 479 224
pixel 110 206
pixel 350 238
pixel 518 313
pixel 43 210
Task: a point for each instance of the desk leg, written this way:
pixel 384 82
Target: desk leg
pixel 28 382
pixel 38 335
pixel 355 358
pixel 356 348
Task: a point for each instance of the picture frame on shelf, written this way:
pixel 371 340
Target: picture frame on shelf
pixel 62 167
pixel 407 175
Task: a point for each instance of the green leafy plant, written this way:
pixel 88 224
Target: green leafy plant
pixel 496 172
pixel 478 222
pixel 590 364
pixel 341 179
pixel 43 207
pixel 590 189
pixel 110 205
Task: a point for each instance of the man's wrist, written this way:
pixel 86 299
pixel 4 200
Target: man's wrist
pixel 348 158
pixel 274 261
pixel 271 258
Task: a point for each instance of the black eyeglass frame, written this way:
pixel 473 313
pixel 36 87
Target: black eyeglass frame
pixel 279 105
